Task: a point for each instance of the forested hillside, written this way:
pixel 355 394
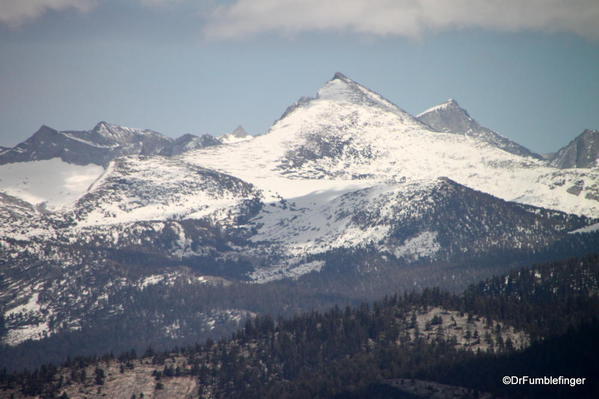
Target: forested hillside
pixel 537 321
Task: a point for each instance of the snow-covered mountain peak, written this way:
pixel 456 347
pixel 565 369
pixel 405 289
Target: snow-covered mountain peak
pixel 342 89
pixel 339 88
pixel 346 95
pixel 329 139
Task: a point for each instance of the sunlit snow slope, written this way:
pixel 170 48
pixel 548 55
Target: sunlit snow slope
pixel 347 134
pixel 53 183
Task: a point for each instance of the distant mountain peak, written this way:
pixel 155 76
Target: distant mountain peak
pixel 582 152
pixel 342 88
pixel 451 105
pixel 82 147
pixel 104 128
pixel 590 133
pixel 450 117
pixel 44 130
pixel 101 124
pixel 239 134
pixel 46 127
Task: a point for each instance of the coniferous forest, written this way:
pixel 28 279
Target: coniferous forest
pixel 537 321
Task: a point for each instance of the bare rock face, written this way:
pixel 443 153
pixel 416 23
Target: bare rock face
pixel 100 145
pixel 449 117
pixel 582 152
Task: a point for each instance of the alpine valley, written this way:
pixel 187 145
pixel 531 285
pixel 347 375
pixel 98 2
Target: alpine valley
pixel 118 238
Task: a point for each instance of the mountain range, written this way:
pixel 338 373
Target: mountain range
pixel 100 145
pixel 345 195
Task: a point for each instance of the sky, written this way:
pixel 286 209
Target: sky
pixel 528 69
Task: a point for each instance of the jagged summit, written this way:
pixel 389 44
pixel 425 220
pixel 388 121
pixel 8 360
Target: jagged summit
pixel 582 152
pixel 122 134
pixel 98 146
pixel 339 75
pixel 450 117
pixel 101 144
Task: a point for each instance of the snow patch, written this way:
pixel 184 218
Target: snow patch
pixel 424 245
pixel 31 306
pixel 36 327
pixel 54 183
pixel 587 229
pixel 265 275
pixel 152 280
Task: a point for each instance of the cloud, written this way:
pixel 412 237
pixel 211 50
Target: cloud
pixel 411 18
pixel 17 12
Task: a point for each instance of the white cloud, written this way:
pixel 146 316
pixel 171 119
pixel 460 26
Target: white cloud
pixel 17 12
pixel 410 18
